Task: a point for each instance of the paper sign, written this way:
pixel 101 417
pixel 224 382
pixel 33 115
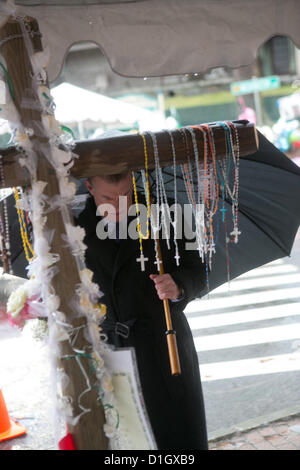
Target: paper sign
pixel 134 427
pixel 2 93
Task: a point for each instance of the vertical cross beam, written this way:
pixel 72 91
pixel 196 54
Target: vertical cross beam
pixel 88 431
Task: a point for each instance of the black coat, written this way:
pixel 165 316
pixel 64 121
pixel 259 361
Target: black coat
pixel 174 403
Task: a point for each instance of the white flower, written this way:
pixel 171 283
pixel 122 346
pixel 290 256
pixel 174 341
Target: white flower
pixel 74 238
pixel 110 431
pixel 67 188
pixel 94 332
pixel 61 157
pixel 16 301
pixel 59 334
pixel 98 359
pixel 76 235
pixel 53 303
pixel 107 384
pixel 86 276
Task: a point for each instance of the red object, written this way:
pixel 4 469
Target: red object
pixel 66 443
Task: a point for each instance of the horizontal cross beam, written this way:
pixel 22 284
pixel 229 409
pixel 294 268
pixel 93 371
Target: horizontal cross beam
pixel 118 154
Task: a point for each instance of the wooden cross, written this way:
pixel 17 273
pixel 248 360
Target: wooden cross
pixel 97 157
pixel 87 432
pixel 125 153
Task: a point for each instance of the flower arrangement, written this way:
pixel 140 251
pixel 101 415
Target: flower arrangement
pixel 21 307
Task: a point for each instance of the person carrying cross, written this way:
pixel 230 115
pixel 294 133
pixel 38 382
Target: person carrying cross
pixel 135 317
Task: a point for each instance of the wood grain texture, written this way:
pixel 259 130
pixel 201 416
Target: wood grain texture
pixel 88 434
pixel 120 154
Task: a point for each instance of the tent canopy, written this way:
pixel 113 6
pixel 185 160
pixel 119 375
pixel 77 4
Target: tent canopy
pixel 158 38
pixel 76 104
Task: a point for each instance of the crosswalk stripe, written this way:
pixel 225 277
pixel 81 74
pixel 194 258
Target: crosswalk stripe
pixel 248 367
pixel 247 337
pixel 260 272
pixel 244 316
pixel 240 284
pixel 207 303
pixel 255 306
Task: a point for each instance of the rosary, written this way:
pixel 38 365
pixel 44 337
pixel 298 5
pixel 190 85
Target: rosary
pixel 203 182
pixel 142 237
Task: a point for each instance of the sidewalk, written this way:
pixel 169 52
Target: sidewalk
pixel 27 387
pixel 282 434
pixel 266 433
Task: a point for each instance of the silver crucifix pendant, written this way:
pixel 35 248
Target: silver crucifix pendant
pixel 142 260
pixel 158 262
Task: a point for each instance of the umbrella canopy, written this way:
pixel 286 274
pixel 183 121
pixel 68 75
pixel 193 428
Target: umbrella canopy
pixel 268 210
pixel 153 38
pixel 74 104
pixel 268 214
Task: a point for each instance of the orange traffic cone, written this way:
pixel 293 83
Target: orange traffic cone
pixel 8 427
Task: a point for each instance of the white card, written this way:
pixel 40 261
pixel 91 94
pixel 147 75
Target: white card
pixel 134 427
pixel 2 93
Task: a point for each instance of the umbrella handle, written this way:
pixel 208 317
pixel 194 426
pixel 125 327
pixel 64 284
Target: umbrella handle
pixel 170 333
pixel 172 343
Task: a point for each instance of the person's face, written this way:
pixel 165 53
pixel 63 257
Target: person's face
pixel 107 193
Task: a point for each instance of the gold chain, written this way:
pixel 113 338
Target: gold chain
pixel 23 228
pixel 141 235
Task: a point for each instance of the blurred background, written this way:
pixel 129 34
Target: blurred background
pixel 247 338
pixel 91 98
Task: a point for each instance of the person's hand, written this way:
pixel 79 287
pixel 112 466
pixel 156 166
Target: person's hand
pixel 166 287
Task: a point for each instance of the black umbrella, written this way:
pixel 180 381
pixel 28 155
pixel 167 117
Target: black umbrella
pixel 269 212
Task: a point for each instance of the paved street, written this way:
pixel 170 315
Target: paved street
pixel 281 434
pixel 248 343
pixel 27 386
